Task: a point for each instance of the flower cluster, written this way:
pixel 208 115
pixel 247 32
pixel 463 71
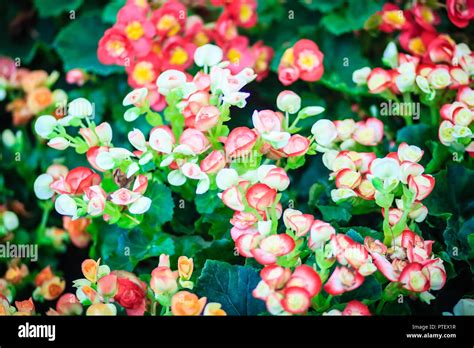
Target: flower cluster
pixel 434 66
pixel 302 61
pixel 104 291
pixel 30 92
pixel 409 261
pixel 78 192
pixel 148 41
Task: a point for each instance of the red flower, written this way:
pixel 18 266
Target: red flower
pixel 460 12
pixel 178 54
pixel 136 28
pixel 131 293
pixel 114 47
pixel 76 181
pixel 170 19
pixel 244 12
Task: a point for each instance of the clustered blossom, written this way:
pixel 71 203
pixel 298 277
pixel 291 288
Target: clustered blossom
pixel 78 192
pixel 148 40
pixel 30 92
pixel 434 65
pixel 104 291
pixel 303 61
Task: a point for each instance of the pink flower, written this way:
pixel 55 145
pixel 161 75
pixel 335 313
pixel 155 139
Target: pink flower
pixel 240 142
pixel 213 162
pixel 114 47
pixel 297 146
pixel 164 280
pixel 379 80
pixel 239 54
pixel 272 247
pixel 369 133
pixel 131 293
pixel 288 75
pixel 263 56
pixel 306 277
pixel 124 196
pixel 195 140
pixel 276 178
pixel 355 307
pixel 162 139
pixel 76 77
pixel 170 19
pixel 136 28
pixel 260 196
pixel 207 118
pixel 96 197
pixel 178 54
pixel 244 12
pixel 422 185
pixel 297 221
pixel 267 121
pixel 76 181
pixel 321 233
pixel 309 60
pixel 342 280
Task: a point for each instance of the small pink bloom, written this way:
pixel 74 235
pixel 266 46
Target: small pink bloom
pixel 213 162
pixel 207 117
pixel 240 142
pixel 297 221
pixel 124 196
pixel 297 146
pixel 267 121
pixel 195 139
pixel 260 196
pixel 76 77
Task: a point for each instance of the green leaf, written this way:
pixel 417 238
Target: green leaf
pixel 162 206
pixel 110 11
pixel 208 202
pixel 81 50
pixel 417 134
pixel 439 155
pixel 52 8
pixel 322 5
pixel 457 236
pixel 231 286
pixel 334 213
pixel 358 233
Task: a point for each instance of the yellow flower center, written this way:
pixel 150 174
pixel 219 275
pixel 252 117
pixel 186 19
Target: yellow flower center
pixel 143 73
pixel 395 17
pixel 168 23
pixel 179 56
pixel 245 12
pixel 234 55
pixel 200 39
pixel 134 30
pixel 115 47
pixel 308 60
pixel 288 57
pixel 417 46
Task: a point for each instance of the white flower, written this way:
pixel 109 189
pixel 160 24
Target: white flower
pixel 45 125
pixel 137 139
pixel 390 55
pixel 324 131
pixel 8 138
pixel 135 97
pixel 80 107
pixel 360 76
pixel 131 114
pixel 66 205
pixel 264 227
pixel 59 143
pixel 10 220
pixel 207 55
pixel 42 188
pixel 289 101
pixel 176 178
pixel 104 133
pixel 140 206
pixel 169 80
pixel 342 194
pixel 226 178
pixel 277 139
